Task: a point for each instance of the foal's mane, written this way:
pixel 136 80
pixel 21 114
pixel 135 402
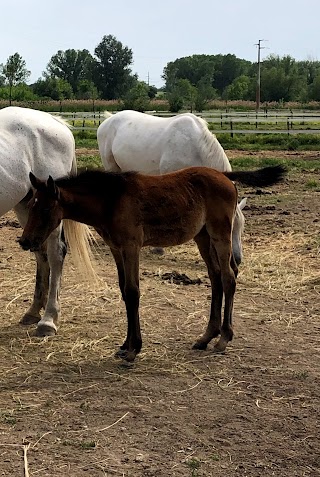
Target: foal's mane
pixel 96 181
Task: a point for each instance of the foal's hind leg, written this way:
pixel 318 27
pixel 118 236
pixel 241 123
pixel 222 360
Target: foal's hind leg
pixel 209 256
pixel 121 278
pixel 56 250
pixel 129 284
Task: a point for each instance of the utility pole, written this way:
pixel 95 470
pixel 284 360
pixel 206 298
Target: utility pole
pixel 258 76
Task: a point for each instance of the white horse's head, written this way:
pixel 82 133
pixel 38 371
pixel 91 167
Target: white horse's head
pixel 238 226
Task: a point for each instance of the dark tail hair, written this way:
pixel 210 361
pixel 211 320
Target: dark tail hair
pixel 264 177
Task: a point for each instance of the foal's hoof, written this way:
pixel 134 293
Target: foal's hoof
pixel 45 330
pixel 120 353
pixel 157 251
pixel 126 355
pixel 220 346
pixel 29 319
pixel 199 345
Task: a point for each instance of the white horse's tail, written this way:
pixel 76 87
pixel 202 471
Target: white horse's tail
pixel 62 121
pixel 80 239
pixel 107 115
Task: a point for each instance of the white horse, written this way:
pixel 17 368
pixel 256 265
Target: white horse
pixel 132 141
pixel 36 141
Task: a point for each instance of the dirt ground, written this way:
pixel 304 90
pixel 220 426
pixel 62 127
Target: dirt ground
pixel 68 407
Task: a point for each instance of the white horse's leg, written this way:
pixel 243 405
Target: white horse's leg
pixel 41 289
pixel 42 276
pixel 56 251
pixel 49 270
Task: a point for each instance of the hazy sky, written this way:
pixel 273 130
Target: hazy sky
pixel 159 32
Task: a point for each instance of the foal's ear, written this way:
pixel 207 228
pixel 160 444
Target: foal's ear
pixel 35 182
pixel 52 188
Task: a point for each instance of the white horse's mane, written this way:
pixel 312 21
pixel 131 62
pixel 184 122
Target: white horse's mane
pixel 211 147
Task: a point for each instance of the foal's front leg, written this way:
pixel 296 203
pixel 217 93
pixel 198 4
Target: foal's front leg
pixel 129 284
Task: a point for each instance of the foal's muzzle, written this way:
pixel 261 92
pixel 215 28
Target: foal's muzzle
pixel 26 244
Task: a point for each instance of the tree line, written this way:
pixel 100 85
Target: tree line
pixel 190 82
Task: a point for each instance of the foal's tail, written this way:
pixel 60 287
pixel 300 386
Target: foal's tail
pixel 264 177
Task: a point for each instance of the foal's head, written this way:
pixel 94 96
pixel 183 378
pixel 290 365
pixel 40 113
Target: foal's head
pixel 45 213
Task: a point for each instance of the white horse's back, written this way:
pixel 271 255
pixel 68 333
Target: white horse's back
pixel 31 140
pixel 152 145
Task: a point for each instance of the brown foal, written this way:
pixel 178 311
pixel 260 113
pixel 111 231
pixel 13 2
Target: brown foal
pixel 130 211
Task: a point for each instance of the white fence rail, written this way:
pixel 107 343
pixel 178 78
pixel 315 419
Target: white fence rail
pixel 291 122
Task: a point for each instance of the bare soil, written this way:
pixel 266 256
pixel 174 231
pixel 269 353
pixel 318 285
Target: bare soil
pixel 68 407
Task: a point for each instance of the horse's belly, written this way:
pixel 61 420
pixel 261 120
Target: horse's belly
pixel 138 163
pixel 12 190
pixel 164 235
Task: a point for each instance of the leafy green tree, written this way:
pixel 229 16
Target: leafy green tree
pixel 221 69
pixel 54 88
pixel 205 93
pixel 2 78
pixel 226 69
pixel 192 68
pixel 111 68
pixel 152 92
pixel 310 69
pixel 314 89
pixel 183 94
pixel 71 65
pixel 20 92
pixel 87 90
pixel 281 79
pixel 137 98
pixel 238 89
pixel 15 72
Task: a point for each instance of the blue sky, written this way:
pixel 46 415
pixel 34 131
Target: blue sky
pixel 159 32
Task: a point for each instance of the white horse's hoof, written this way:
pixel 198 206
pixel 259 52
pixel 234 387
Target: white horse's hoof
pixel 46 330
